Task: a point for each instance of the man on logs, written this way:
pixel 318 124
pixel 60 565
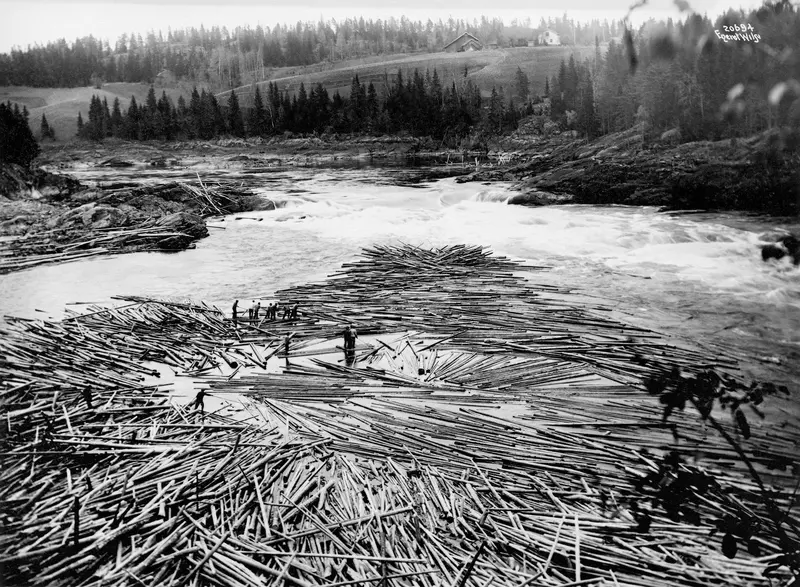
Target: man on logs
pixel 286 312
pixel 235 309
pixel 350 337
pixel 87 397
pixel 294 311
pixel 257 311
pixel 199 401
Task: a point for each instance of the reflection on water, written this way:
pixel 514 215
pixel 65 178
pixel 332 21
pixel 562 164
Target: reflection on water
pixel 699 277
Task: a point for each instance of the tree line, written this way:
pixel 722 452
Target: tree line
pixel 221 58
pixel 419 105
pixel 669 80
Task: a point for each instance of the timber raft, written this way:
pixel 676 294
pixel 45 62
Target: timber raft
pixel 488 431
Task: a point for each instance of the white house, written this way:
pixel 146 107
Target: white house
pixel 549 37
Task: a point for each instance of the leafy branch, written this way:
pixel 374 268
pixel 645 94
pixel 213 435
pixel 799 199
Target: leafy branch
pixel 674 481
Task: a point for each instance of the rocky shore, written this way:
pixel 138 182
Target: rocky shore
pixel 758 174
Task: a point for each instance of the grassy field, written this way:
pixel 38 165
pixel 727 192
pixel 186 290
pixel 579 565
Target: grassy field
pixel 61 105
pixel 486 68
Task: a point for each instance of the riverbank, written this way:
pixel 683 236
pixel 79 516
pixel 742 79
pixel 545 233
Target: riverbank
pixel 49 215
pixel 758 174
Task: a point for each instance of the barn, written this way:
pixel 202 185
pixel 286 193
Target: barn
pixel 463 42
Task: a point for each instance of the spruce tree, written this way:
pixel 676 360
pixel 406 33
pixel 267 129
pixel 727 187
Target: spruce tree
pixel 80 132
pixel 17 143
pixel 106 119
pixel 235 120
pixel 257 118
pixel 116 119
pixel 522 84
pixel 195 114
pixel 45 128
pixel 132 120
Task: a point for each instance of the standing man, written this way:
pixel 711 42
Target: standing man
pixel 257 310
pixel 235 309
pixel 350 336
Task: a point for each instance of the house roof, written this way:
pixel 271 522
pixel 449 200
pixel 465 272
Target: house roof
pixel 463 38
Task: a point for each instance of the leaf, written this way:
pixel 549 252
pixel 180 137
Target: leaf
pixel 705 44
pixel 741 421
pixel 777 92
pixel 735 92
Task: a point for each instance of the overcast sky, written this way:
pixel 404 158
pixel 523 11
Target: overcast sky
pixel 27 22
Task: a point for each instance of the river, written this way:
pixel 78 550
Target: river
pixel 698 277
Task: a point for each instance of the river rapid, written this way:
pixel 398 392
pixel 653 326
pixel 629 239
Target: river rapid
pixel 697 277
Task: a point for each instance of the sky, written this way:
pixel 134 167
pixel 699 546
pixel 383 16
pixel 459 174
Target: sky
pixel 28 22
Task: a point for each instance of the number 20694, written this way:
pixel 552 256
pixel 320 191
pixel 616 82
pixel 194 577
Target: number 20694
pixel 737 28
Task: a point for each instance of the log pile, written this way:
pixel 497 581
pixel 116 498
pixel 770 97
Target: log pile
pixel 473 439
pixel 162 218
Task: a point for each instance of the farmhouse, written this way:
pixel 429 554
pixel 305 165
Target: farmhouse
pixel 549 37
pixel 463 42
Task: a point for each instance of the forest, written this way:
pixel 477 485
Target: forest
pixel 675 81
pixel 420 106
pixel 223 59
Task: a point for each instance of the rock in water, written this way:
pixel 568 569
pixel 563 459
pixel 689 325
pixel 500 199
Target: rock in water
pixel 540 198
pixel 185 222
pixel 785 245
pixel 772 251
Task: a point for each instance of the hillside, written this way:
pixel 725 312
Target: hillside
pixel 486 68
pixel 61 105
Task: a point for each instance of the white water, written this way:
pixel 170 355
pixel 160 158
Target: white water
pixel 697 277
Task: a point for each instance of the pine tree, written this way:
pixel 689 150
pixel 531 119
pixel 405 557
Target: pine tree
pixel 80 132
pixel 235 120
